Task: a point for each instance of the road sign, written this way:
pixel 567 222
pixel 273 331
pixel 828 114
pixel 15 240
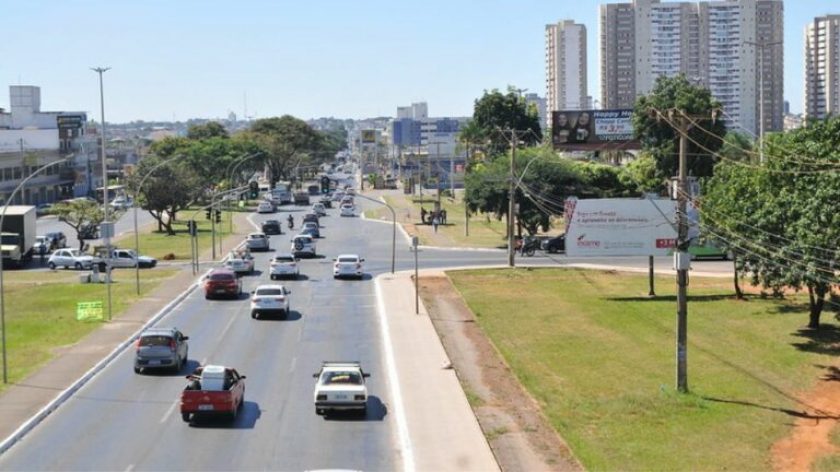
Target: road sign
pixel 89 311
pixel 106 230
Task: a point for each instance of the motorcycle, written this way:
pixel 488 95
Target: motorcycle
pixel 291 222
pixel 529 246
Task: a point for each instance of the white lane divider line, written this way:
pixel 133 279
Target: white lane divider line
pixel 394 382
pixel 168 412
pixel 129 468
pixel 292 367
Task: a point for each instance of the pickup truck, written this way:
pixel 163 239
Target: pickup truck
pixel 212 390
pixel 123 258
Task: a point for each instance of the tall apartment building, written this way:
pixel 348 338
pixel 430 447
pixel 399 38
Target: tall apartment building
pixel 708 42
pixel 565 67
pixel 822 67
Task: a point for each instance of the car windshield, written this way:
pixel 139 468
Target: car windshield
pixel 284 259
pixel 347 378
pixel 75 252
pixel 269 291
pixel 271 222
pixel 257 236
pixel 155 340
pixel 218 277
pixel 347 259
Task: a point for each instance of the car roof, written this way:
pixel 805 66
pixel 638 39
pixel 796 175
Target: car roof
pixel 257 233
pixel 284 254
pixel 348 255
pixel 158 331
pixel 270 221
pixel 303 236
pixel 268 286
pixel 221 270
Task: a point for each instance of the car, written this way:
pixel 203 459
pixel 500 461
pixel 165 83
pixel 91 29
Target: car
pixel 340 386
pixel 43 245
pixel 347 200
pixel 319 209
pixel 337 196
pixel 312 217
pixel 161 348
pixel 271 227
pixel 269 300
pixel 348 265
pixel 240 263
pixel 303 245
pixel 70 258
pixel 350 191
pixel 258 242
pixel 265 207
pixel 43 209
pixel 212 390
pixel 555 244
pixel 128 258
pixel 326 201
pixel 121 203
pixel 57 240
pixel 283 265
pixel 348 210
pixel 311 229
pixel 222 282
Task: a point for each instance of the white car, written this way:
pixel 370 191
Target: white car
pixel 265 207
pixel 348 210
pixel 70 258
pixel 283 265
pixel 319 209
pixel 258 242
pixel 303 245
pixel 270 299
pixel 240 264
pixel 340 386
pixel 348 265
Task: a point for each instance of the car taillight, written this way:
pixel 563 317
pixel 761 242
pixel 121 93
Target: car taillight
pixel 137 344
pixel 172 344
pixel 321 397
pixel 280 299
pixel 359 397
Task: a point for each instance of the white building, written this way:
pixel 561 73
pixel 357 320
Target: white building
pixel 31 138
pixel 540 104
pixel 822 67
pixel 709 42
pixel 565 67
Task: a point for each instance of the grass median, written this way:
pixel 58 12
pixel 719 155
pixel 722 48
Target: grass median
pixel 598 356
pixel 41 311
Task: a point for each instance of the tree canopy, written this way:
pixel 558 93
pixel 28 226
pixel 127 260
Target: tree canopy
pixel 495 112
pixel 78 214
pixel 211 129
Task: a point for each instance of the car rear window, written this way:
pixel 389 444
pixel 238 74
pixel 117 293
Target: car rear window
pixel 284 259
pixel 347 259
pixel 269 291
pixel 155 340
pixel 221 277
pixel 348 378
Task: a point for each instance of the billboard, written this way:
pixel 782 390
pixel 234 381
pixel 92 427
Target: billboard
pixel 592 130
pixel 368 136
pixel 623 226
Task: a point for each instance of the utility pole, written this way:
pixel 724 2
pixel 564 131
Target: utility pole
pixel 106 225
pixel 511 198
pixel 761 45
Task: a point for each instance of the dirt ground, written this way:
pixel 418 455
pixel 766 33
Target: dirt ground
pixel 519 435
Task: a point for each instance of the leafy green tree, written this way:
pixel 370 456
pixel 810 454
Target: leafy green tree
pixel 660 140
pixel 288 143
pixel 495 112
pixel 78 214
pixel 211 129
pixel 642 173
pixel 168 190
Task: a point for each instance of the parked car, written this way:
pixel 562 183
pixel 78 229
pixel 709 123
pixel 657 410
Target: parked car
pixel 555 244
pixel 319 209
pixel 161 348
pixel 222 282
pixel 348 265
pixel 340 386
pixel 212 390
pixel 57 240
pixel 43 245
pixel 121 203
pixel 258 242
pixel 283 265
pixel 266 207
pixel 43 209
pixel 271 227
pixel 70 258
pixel 312 229
pixel 270 300
pixel 348 210
pixel 303 245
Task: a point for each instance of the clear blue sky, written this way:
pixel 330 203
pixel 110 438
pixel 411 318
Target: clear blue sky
pixel 343 58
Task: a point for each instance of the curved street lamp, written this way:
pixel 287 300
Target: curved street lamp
pixel 2 292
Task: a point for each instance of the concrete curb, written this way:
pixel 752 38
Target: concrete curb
pixel 65 395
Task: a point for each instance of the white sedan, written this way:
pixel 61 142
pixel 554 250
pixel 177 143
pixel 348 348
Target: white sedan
pixel 265 207
pixel 348 265
pixel 70 258
pixel 258 242
pixel 348 210
pixel 284 265
pixel 270 299
pixel 340 387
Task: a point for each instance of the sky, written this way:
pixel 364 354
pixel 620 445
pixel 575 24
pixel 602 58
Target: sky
pixel 180 59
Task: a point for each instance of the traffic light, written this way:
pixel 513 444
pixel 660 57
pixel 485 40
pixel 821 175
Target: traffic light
pixel 325 184
pixel 253 189
pixel 218 216
pixel 208 213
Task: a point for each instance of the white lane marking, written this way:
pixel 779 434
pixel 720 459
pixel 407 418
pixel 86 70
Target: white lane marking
pixel 129 468
pixel 168 412
pixel 294 362
pixel 396 393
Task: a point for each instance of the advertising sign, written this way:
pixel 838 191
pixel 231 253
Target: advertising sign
pixel 70 121
pixel 368 136
pixel 593 129
pixel 89 311
pixel 620 227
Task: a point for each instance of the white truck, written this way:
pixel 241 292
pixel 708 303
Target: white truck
pixel 623 226
pixel 18 235
pixel 123 258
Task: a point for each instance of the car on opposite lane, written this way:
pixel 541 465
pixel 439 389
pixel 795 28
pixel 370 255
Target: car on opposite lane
pixel 283 265
pixel 222 282
pixel 340 386
pixel 161 348
pixel 348 265
pixel 270 300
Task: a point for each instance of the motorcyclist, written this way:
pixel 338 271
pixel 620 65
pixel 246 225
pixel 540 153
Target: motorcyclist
pixel 291 222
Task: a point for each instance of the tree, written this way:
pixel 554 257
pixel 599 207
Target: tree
pixel 78 214
pixel 211 129
pixel 169 189
pixel 661 141
pixel 495 112
pixel 783 218
pixel 288 143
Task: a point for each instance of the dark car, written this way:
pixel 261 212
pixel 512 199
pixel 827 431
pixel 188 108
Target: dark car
pixel 555 244
pixel 161 348
pixel 271 227
pixel 57 240
pixel 326 201
pixel 311 217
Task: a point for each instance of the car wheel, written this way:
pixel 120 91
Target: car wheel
pixel 51 265
pixel 207 296
pixel 254 314
pixel 185 417
pixel 136 370
pixel 78 266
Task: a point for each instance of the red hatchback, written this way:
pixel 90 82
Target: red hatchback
pixel 222 282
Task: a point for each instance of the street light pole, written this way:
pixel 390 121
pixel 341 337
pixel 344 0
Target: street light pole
pixel 2 292
pixel 105 222
pixel 238 162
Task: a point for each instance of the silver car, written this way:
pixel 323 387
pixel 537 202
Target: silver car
pixel 258 242
pixel 161 348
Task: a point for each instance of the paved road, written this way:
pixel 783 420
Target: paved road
pixel 123 421
pixel 125 224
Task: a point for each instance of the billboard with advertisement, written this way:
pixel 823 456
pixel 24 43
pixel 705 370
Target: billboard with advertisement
pixel 593 129
pixel 623 227
pixel 368 136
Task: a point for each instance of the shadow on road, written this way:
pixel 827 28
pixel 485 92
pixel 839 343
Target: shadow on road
pixel 245 419
pixel 376 411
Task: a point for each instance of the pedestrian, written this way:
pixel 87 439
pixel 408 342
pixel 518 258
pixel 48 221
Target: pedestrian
pixel 443 217
pixel 436 222
pixel 43 252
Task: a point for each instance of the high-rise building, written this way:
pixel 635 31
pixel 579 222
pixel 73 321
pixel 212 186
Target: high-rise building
pixel 565 67
pixel 822 67
pixel 729 46
pixel 539 103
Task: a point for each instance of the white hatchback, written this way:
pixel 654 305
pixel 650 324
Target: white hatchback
pixel 265 207
pixel 348 265
pixel 270 299
pixel 258 242
pixel 303 245
pixel 283 265
pixel 348 210
pixel 70 258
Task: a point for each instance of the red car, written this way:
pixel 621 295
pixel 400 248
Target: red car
pixel 222 282
pixel 213 390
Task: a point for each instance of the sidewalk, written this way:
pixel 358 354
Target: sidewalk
pixel 23 400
